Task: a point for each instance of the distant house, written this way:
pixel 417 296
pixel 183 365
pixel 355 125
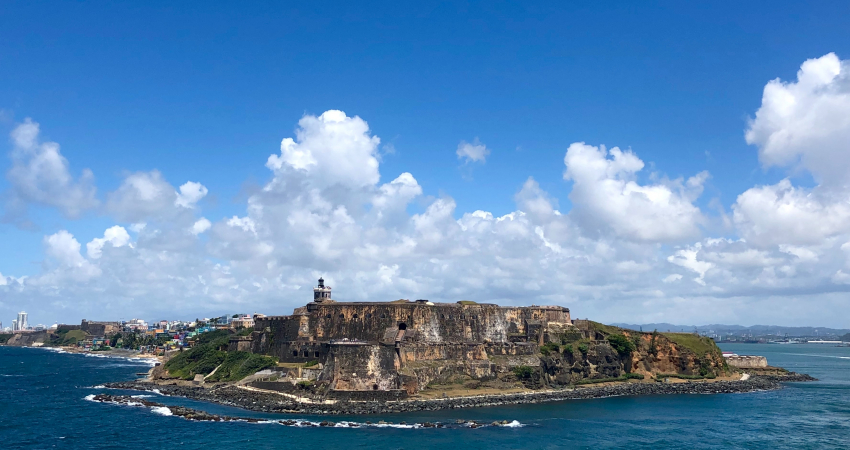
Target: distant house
pixel 242 322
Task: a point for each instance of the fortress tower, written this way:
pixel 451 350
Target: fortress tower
pixel 321 293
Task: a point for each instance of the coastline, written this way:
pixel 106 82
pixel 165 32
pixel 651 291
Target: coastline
pixel 267 401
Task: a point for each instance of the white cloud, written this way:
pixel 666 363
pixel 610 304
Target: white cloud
pixel 116 235
pixel 330 149
pixel 784 214
pixel 41 175
pixel 200 226
pixel 472 152
pixel 190 193
pixel 687 258
pixel 807 122
pixel 142 195
pixel 325 211
pixel 606 196
pixel 672 278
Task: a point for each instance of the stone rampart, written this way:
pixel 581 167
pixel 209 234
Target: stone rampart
pixel 747 362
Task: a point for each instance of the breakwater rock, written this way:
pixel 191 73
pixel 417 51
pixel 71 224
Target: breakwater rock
pixel 265 401
pixel 201 416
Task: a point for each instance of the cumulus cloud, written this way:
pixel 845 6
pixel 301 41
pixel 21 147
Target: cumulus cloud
pixel 190 193
pixel 333 148
pixel 40 174
pixel 806 122
pixel 472 152
pixel 117 236
pixel 606 196
pixel 200 226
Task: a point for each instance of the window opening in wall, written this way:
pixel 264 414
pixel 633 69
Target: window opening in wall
pixel 342 316
pixel 328 316
pixel 306 353
pixel 402 326
pixel 317 354
pixel 355 316
pixel 374 387
pixel 368 315
pixel 295 353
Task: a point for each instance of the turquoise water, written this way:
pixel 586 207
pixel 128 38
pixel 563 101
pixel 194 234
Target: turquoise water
pixel 42 405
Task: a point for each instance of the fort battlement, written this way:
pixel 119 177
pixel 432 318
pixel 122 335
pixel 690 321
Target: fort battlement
pixel 383 345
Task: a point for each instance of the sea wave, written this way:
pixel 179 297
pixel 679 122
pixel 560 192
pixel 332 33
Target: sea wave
pixel 162 410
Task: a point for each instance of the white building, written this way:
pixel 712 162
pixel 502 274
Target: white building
pixel 15 325
pixel 22 321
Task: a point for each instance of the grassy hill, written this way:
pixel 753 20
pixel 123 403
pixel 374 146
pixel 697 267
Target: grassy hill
pixel 210 352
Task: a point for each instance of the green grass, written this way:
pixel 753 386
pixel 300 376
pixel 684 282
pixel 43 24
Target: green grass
pixel 628 376
pixel 467 302
pixel 73 336
pixel 606 329
pixel 700 345
pixel 245 331
pixel 5 338
pixel 206 355
pixel 238 365
pixel 685 377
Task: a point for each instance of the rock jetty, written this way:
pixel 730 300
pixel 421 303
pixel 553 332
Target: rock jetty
pixel 264 401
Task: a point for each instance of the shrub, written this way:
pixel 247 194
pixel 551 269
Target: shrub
pixel 623 345
pixel 311 363
pixel 568 349
pixel 628 376
pixel 306 384
pixel 548 348
pixel 523 372
pixel 5 338
pixel 583 348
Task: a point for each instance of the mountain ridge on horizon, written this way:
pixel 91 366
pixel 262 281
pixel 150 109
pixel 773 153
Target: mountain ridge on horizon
pixel 754 329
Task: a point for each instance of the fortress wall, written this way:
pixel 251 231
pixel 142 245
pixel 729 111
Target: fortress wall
pixel 747 362
pixel 437 323
pixel 362 367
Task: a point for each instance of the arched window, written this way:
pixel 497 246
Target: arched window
pixel 402 326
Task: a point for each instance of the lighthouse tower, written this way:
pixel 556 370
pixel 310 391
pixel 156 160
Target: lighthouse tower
pixel 321 293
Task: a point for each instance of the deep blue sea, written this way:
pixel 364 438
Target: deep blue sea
pixel 43 405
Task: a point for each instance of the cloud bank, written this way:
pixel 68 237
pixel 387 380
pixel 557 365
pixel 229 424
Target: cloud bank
pixel 627 248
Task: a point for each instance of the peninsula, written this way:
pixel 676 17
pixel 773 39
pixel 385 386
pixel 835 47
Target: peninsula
pixel 371 357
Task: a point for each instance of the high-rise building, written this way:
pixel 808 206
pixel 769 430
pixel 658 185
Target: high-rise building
pixel 15 325
pixel 22 320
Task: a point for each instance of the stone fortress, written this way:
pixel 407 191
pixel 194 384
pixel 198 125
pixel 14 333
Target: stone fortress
pixel 402 346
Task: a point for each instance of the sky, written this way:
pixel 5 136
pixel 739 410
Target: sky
pixel 661 162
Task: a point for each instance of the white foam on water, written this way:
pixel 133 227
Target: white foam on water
pixel 89 397
pixel 513 424
pixel 99 386
pixel 161 410
pixel 141 396
pixel 156 391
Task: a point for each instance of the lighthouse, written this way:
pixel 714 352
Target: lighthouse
pixel 321 292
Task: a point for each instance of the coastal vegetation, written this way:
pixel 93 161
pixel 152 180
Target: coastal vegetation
pixel 5 338
pixel 624 377
pixel 210 352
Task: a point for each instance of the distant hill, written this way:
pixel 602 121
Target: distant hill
pixel 756 330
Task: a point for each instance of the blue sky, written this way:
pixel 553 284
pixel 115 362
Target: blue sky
pixel 205 92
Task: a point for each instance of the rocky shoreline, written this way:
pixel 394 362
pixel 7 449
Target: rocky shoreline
pixel 264 401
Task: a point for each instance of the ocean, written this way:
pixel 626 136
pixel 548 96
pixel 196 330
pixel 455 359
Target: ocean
pixel 43 404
